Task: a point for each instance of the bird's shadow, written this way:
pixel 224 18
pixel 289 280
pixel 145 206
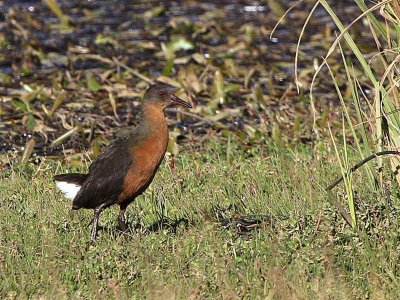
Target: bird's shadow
pixel 170 225
pixel 164 224
pixel 242 224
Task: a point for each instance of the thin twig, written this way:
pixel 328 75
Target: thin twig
pixel 132 71
pixel 328 189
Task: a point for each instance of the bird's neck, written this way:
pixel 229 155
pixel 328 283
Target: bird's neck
pixel 151 133
pixel 153 120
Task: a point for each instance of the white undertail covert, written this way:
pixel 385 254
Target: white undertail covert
pixel 68 189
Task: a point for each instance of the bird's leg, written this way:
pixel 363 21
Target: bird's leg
pixel 122 225
pixel 95 227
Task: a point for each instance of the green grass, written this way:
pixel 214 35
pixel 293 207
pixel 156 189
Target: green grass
pixel 309 253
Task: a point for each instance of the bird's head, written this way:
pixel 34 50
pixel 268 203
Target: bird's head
pixel 162 96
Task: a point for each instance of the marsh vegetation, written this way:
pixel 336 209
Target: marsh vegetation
pixel 238 210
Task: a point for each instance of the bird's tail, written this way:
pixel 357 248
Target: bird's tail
pixel 70 184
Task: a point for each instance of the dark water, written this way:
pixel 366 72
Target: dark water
pixel 233 36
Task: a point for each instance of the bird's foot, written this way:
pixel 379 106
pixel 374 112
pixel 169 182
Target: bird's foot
pixel 122 225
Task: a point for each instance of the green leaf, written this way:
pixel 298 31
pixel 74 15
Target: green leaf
pixel 57 103
pixel 5 79
pixel 56 9
pixel 257 94
pixel 180 43
pixel 29 146
pixel 276 7
pixel 30 122
pixel 102 39
pixel 153 12
pixel 20 105
pixel 277 135
pixel 91 83
pixel 218 88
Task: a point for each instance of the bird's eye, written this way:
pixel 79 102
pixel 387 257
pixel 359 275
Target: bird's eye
pixel 162 93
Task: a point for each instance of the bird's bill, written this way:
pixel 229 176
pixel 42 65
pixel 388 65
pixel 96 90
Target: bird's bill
pixel 178 101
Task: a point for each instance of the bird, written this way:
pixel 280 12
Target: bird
pixel 125 168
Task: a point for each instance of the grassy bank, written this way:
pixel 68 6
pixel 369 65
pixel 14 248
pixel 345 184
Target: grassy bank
pixel 306 252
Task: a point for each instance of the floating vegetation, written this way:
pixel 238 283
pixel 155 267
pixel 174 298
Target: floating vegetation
pixel 71 73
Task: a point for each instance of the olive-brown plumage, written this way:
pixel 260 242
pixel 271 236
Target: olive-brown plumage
pixel 124 169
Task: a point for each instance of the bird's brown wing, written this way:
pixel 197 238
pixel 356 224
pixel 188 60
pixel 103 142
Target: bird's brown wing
pixel 106 176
